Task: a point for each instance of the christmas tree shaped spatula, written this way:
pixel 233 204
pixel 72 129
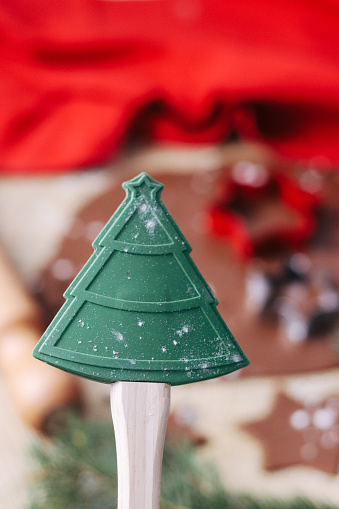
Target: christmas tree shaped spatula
pixel 140 314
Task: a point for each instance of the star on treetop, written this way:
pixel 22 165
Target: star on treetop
pixel 143 185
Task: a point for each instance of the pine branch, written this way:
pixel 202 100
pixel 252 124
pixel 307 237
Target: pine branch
pixel 77 469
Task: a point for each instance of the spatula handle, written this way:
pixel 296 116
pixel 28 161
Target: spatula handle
pixel 140 413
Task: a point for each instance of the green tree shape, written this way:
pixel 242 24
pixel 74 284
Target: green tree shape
pixel 139 310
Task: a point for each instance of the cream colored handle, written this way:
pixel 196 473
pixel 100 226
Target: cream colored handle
pixel 140 413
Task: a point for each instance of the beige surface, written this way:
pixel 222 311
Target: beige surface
pixel 15 440
pixel 35 212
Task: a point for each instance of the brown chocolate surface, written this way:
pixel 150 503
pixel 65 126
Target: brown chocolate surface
pixel 186 197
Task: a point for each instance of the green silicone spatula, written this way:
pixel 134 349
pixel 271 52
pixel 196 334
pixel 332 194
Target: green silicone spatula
pixel 140 316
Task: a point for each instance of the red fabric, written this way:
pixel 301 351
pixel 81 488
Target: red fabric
pixel 78 76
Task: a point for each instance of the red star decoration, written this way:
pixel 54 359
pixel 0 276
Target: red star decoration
pixel 260 210
pixel 296 434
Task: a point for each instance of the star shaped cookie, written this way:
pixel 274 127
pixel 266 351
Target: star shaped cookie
pixel 294 433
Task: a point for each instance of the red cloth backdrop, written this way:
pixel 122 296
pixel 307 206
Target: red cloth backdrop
pixel 79 76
